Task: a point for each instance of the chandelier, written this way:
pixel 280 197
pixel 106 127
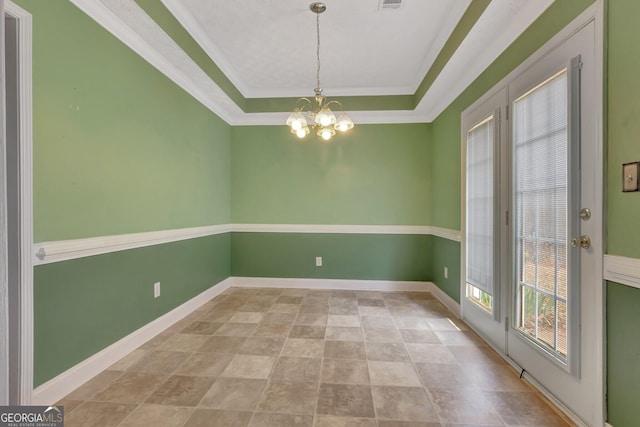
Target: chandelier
pixel 318 117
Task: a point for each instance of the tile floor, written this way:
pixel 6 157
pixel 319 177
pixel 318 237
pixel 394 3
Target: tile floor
pixel 292 357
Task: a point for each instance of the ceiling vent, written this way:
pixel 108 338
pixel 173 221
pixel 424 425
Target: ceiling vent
pixel 390 4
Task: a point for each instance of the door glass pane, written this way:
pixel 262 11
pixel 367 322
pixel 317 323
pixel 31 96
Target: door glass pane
pixel 540 191
pixel 480 215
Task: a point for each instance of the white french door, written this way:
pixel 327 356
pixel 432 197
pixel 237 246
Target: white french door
pixel 532 212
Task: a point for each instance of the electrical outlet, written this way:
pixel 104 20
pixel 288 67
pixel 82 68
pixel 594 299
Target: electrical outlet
pixel 318 261
pixel 156 289
pixel 446 273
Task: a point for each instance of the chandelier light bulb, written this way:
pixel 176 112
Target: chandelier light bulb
pixel 296 125
pixel 301 133
pixel 326 134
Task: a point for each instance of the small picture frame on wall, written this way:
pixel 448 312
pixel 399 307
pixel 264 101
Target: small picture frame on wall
pixel 630 172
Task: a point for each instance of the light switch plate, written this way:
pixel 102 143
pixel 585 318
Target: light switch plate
pixel 630 172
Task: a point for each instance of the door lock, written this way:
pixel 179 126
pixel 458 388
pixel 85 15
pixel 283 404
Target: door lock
pixel 585 214
pixel 583 241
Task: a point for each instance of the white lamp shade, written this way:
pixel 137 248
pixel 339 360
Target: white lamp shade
pixel 344 123
pixel 326 132
pixel 296 120
pixel 325 117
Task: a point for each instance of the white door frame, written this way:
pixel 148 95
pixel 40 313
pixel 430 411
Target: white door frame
pixel 24 30
pixel 594 13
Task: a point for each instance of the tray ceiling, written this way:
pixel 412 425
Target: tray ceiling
pixel 241 58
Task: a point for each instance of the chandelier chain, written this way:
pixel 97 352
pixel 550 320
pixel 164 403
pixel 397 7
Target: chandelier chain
pixel 318 49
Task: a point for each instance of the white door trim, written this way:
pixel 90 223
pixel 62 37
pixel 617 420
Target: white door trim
pixel 595 14
pixel 26 195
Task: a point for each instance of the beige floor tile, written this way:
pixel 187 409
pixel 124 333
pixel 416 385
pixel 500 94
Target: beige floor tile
pixel 498 377
pixel 246 317
pixel 393 374
pixel 344 371
pixel 263 419
pixel 345 310
pixel 221 344
pixel 307 332
pixel 312 319
pixel 383 423
pixel 278 318
pixel 156 415
pixel 524 408
pixel 314 308
pixel 156 341
pixel 205 364
pixel 374 311
pixel 463 406
pixel 382 335
pixel 443 375
pixel 419 336
pixel 184 342
pixel 447 324
pixel 284 308
pixel 69 405
pixel 343 293
pixel 236 329
pixel 180 390
pixel 289 299
pixel 430 353
pixel 403 404
pixel 268 330
pixel 249 366
pixel 98 414
pixel 294 347
pixel 294 292
pixel 467 354
pixel 377 322
pixel 297 369
pixel 238 394
pixel 329 421
pixel 369 294
pixel 204 328
pixel 459 338
pixel 128 361
pixel 344 350
pixel 131 387
pixel 262 346
pixel 343 320
pixel 218 418
pixel 339 333
pixel 371 302
pixel 289 397
pixel 94 385
pixel 217 316
pixel 412 323
pixel 345 400
pixel 387 352
pixel 159 361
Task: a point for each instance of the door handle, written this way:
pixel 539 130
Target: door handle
pixel 583 241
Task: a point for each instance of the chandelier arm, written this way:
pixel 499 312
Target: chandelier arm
pixel 335 102
pixel 303 99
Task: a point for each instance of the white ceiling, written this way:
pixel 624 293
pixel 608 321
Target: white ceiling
pixel 267 49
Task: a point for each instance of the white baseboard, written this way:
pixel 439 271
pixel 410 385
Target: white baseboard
pixel 445 299
pixel 55 389
pixel 352 285
pixel 58 387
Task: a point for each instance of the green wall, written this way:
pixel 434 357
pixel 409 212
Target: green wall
pixel 116 143
pixel 84 305
pixel 117 148
pixel 345 256
pixel 375 174
pixel 623 210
